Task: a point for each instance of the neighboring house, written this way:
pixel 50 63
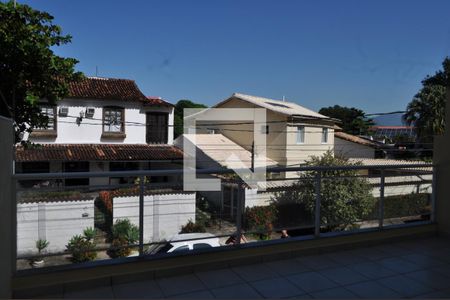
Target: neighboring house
pixel 398 181
pixel 352 146
pixel 104 124
pixel 294 133
pixel 387 134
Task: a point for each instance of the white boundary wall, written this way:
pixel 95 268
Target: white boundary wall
pixel 56 222
pixel 163 214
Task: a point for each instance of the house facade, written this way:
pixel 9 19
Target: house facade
pixel 294 133
pixel 105 124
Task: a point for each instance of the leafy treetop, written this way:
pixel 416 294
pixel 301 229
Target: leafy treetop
pixel 29 69
pixel 354 120
pixel 179 114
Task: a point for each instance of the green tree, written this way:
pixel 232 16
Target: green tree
pixel 178 114
pixel 29 69
pixel 426 111
pixel 354 121
pixel 345 198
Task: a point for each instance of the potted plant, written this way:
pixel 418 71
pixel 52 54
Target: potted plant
pixel 41 245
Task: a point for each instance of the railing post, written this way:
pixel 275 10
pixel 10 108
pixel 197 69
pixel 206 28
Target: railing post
pixel 433 195
pixel 381 201
pixel 318 180
pixel 141 214
pixel 239 212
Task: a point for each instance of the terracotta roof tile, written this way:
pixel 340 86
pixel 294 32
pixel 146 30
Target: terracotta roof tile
pixel 110 89
pixel 157 101
pixel 98 152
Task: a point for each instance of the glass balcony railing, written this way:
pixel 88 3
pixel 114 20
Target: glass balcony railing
pixel 87 217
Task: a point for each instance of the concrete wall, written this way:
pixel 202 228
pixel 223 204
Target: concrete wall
pixel 7 208
pixel 253 198
pixel 56 222
pixel 352 150
pixel 163 214
pixel 90 129
pixel 441 159
pixel 298 153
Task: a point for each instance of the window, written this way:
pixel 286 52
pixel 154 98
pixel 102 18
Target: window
pixel 157 127
pixel 113 120
pixel 123 166
pixel 49 112
pixel 184 248
pixel 300 134
pixel 76 166
pixel 324 135
pixel 201 246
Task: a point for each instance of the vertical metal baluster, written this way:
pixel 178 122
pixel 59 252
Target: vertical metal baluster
pixel 141 214
pixel 433 195
pixel 239 212
pixel 318 180
pixel 381 201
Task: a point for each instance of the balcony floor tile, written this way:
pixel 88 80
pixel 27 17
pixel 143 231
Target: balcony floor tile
pixel 312 281
pixel 171 286
pixel 239 291
pixel 343 275
pixel 140 289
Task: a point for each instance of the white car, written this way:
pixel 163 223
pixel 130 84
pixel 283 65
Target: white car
pixel 195 241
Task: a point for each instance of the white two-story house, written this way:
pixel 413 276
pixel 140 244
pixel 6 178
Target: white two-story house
pixel 105 124
pixel 293 133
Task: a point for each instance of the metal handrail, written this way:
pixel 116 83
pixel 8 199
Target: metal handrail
pixel 137 173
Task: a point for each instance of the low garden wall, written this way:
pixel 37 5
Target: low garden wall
pixel 54 221
pixel 164 214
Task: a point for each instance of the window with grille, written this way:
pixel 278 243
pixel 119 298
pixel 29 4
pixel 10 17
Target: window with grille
pixel 48 112
pixel 113 120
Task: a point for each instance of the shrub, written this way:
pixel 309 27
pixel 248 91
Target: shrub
pixel 261 219
pixel 89 233
pixel 81 248
pixel 404 206
pixel 124 233
pixel 191 227
pixel 41 245
pixel 345 197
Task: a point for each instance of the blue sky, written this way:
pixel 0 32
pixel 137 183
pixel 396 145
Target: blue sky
pixel 367 54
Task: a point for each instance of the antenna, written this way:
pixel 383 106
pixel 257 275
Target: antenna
pixel 96 71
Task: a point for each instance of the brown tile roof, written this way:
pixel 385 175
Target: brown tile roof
pixel 158 101
pixel 106 89
pixel 98 152
pixel 355 139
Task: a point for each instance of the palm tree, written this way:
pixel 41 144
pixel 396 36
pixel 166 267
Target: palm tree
pixel 426 112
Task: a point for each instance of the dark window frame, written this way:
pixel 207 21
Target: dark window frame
pixel 164 137
pixel 122 121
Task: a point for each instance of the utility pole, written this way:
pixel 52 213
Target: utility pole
pixel 253 157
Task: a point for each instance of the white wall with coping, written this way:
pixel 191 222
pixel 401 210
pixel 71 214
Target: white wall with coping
pixel 352 150
pixel 56 222
pixel 89 131
pixel 164 214
pixel 7 208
